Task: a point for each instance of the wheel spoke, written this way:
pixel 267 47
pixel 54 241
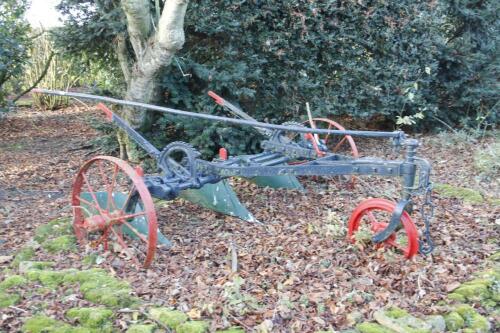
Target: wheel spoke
pixel 129 196
pixel 89 203
pixel 135 231
pixel 129 216
pixel 393 243
pixel 339 144
pixel 92 193
pixel 124 246
pixel 372 218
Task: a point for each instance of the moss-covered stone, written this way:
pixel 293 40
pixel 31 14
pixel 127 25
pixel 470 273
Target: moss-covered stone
pixel 44 324
pixel 454 321
pixel 395 313
pixel 372 328
pixel 473 319
pixel 457 297
pixel 466 194
pixel 12 281
pixel 25 254
pixel 57 227
pixel 111 297
pixel 142 328
pixel 231 330
pixel 60 244
pixel 25 266
pixel 197 326
pixel 8 299
pixel 48 278
pixel 168 317
pixel 91 317
pixel 473 291
pixel 437 323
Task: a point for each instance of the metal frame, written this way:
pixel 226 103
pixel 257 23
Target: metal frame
pixel 193 172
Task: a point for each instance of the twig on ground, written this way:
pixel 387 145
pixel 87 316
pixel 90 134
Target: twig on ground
pixel 234 258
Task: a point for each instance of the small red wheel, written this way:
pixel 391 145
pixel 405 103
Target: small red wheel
pixel 111 203
pixel 373 215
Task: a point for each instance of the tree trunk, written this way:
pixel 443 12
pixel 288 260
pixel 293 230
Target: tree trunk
pixel 153 51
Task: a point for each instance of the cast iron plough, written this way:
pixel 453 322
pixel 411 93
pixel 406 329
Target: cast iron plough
pixel 113 201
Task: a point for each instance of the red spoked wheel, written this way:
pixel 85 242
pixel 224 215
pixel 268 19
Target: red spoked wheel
pixel 112 206
pixel 336 144
pixel 372 216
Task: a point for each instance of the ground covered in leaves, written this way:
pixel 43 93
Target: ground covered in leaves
pixel 296 271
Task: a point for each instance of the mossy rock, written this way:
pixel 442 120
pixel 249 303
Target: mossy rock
pixel 457 297
pixel 142 328
pixel 466 194
pixel 372 328
pixel 395 313
pixel 25 254
pixel 60 244
pixel 91 317
pixel 111 297
pixel 57 227
pixel 473 291
pixel 437 323
pixel 197 326
pixel 13 281
pixel 231 330
pixel 473 319
pixel 48 278
pixel 25 266
pixel 44 324
pixel 454 321
pixel 8 299
pixel 168 317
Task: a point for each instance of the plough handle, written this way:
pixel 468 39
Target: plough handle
pixel 139 139
pixel 237 112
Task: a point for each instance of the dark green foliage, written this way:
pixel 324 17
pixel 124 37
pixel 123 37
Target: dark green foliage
pixel 395 60
pixel 14 41
pixel 469 68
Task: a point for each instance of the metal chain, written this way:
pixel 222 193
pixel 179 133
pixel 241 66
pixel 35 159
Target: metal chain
pixel 427 212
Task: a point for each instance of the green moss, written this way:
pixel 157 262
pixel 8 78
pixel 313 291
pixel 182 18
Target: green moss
pixel 168 317
pixel 395 313
pixel 50 279
pixel 141 328
pixel 60 244
pixel 56 227
pixel 12 281
pixel 111 297
pixel 471 292
pixel 25 266
pixel 372 328
pixel 232 330
pixel 43 324
pixel 457 297
pixel 90 317
pixel 473 319
pixel 466 194
pixel 7 299
pixel 197 326
pixel 25 254
pixel 495 256
pixel 487 160
pixel 454 321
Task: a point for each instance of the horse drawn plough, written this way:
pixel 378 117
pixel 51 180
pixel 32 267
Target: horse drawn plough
pixel 113 201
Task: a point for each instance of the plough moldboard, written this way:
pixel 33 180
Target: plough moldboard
pixel 113 201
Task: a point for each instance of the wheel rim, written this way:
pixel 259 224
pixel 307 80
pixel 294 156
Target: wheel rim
pixel 373 215
pixel 111 204
pixel 337 144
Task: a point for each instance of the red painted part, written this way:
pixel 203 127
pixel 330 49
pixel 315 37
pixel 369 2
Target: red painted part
pixel 80 223
pixel 139 170
pixel 106 110
pixel 310 137
pixel 331 123
pixel 370 205
pixel 223 154
pixel 219 100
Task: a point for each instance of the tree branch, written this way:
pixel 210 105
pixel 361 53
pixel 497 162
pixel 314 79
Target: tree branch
pixel 138 23
pixel 170 33
pixel 40 78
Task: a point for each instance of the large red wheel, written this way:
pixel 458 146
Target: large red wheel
pixel 335 143
pixel 112 206
pixel 373 215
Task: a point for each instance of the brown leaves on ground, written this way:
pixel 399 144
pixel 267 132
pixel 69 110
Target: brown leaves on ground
pixel 295 270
